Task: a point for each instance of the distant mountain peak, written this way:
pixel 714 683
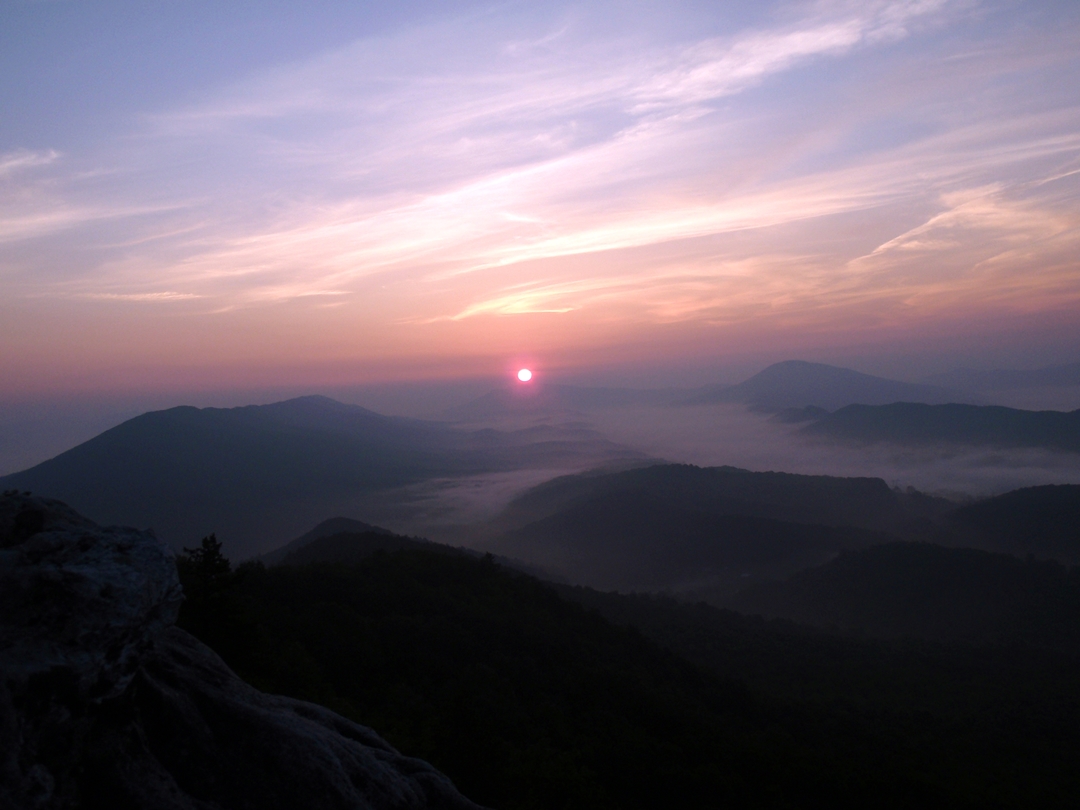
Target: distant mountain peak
pixel 259 475
pixel 799 384
pixel 318 403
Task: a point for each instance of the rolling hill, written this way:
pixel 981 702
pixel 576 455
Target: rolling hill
pixel 328 528
pixel 798 384
pixel 258 476
pixel 353 547
pixel 1041 521
pixel 909 423
pixel 704 531
pixel 866 503
pixel 527 701
pixel 921 590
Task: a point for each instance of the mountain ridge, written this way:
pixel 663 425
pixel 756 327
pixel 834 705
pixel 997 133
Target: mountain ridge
pixel 799 384
pixel 705 531
pixel 922 590
pixel 951 424
pixel 259 475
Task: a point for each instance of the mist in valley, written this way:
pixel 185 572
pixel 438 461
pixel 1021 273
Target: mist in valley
pixel 734 435
pixel 455 509
pixel 520 406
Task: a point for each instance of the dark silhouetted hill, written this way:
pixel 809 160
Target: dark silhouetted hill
pixel 800 662
pixel 798 384
pixel 908 423
pixel 352 547
pixel 331 526
pixel 1043 521
pixel 528 701
pixel 866 503
pixel 632 542
pixel 347 541
pixel 921 590
pixel 260 475
pixel 702 530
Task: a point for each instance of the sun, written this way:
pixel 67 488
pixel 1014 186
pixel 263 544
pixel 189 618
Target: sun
pixel 524 375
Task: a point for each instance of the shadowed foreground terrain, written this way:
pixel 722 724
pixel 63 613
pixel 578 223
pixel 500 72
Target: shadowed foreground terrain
pixel 920 590
pixel 528 699
pixel 105 703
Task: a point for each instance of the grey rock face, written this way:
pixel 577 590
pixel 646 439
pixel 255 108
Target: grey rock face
pixel 104 703
pixel 79 599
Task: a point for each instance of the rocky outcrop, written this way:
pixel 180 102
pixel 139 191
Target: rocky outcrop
pixel 103 702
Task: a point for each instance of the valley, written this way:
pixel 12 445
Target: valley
pixel 555 615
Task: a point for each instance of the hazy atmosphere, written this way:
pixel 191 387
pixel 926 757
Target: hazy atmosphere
pixel 196 199
pixel 614 404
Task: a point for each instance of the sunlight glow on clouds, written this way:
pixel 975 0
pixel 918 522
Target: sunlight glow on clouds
pixel 509 163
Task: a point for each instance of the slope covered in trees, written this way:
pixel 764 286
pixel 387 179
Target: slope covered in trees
pixel 921 590
pixel 530 701
pixel 699 530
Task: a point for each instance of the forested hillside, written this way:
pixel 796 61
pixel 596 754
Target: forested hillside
pixel 528 700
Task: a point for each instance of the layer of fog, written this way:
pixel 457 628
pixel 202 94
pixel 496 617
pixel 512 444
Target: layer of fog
pixel 704 435
pixel 730 434
pixel 35 429
pixel 450 510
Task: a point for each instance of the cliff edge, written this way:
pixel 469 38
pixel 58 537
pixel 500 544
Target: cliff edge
pixel 103 702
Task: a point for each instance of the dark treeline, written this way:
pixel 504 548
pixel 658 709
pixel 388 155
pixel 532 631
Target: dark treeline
pixel 528 698
pixel 921 590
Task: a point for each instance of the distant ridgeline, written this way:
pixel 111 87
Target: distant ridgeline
pixel 914 423
pixel 921 590
pixel 260 475
pixel 798 384
pixel 877 587
pixel 1060 376
pixel 703 531
pixel 791 384
pixel 711 532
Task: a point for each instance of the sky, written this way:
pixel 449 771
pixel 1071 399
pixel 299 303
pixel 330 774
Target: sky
pixel 250 196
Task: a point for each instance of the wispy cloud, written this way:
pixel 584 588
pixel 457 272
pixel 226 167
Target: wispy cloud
pixel 151 297
pixel 491 166
pixel 721 66
pixel 11 162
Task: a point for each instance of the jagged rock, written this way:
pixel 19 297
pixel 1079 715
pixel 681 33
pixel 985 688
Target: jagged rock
pixel 104 703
